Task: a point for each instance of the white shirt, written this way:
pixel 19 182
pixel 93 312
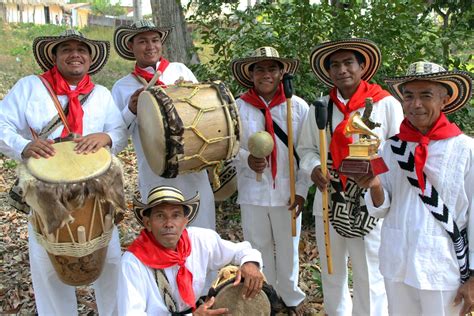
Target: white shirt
pixel 28 104
pixel 147 179
pixel 387 111
pixel 138 293
pixel 415 249
pixel 262 193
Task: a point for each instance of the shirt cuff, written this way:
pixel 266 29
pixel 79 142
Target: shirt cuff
pixel 128 116
pixel 251 255
pixel 380 211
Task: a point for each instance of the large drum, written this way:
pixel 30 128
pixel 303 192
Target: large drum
pixel 267 302
pixel 73 198
pixel 187 127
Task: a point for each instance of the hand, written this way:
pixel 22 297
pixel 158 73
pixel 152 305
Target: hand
pixel 204 309
pixel 257 164
pixel 181 80
pixel 39 148
pixel 465 293
pixel 319 179
pixel 298 204
pixel 253 279
pixel 92 143
pixel 133 103
pixel 367 181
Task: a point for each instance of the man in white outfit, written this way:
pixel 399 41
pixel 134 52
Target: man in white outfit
pixel 142 42
pixel 266 219
pixel 68 60
pixel 346 66
pixel 163 271
pixel 427 196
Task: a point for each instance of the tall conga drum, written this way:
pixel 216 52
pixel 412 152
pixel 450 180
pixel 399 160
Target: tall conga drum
pixel 73 198
pixel 187 127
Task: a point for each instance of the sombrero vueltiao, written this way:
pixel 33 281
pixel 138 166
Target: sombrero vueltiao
pixel 458 83
pixel 43 49
pixel 368 49
pixel 124 33
pixel 167 194
pixel 240 67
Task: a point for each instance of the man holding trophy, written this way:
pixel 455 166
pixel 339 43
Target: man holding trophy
pixel 346 66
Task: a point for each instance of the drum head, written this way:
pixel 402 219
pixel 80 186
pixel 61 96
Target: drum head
pixel 152 132
pixel 66 166
pixel 230 297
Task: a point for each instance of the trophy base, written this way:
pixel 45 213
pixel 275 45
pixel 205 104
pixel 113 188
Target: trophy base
pixel 358 167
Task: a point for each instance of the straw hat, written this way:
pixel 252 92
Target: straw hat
pixel 458 83
pixel 320 54
pixel 124 33
pixel 240 67
pixel 43 49
pixel 167 194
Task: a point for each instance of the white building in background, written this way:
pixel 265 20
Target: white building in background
pixel 32 11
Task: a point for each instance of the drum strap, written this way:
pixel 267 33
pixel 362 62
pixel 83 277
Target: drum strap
pixel 165 291
pixel 283 137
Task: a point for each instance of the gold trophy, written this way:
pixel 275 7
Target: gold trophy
pixel 363 158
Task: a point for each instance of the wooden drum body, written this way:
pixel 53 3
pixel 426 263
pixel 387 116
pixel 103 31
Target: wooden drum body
pixel 187 127
pixel 73 199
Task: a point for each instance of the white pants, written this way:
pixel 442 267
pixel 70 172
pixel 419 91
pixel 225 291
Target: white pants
pixel 368 284
pixel 268 229
pixel 405 300
pixel 53 297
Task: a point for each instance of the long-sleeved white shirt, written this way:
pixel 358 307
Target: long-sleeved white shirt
pixel 147 179
pixel 138 293
pixel 415 248
pixel 388 112
pixel 262 193
pixel 28 104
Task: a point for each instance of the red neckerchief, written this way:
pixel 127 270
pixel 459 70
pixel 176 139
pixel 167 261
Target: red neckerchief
pixel 139 72
pixel 61 87
pixel 155 256
pixel 441 129
pixel 252 97
pixel 339 146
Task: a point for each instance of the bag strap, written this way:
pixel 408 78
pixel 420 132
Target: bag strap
pixel 283 137
pixel 57 104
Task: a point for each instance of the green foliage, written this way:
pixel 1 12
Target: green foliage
pixel 406 31
pixel 104 7
pixel 9 164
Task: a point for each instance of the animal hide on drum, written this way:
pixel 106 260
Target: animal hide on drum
pixel 54 202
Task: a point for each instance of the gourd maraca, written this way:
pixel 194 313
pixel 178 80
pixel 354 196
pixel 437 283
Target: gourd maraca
pixel 260 145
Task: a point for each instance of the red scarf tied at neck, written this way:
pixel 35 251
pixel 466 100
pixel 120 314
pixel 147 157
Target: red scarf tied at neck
pixel 441 129
pixel 339 146
pixel 61 87
pixel 252 97
pixel 140 72
pixel 155 256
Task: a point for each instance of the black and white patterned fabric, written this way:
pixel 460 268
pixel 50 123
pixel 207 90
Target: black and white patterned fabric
pixel 348 213
pixel 434 203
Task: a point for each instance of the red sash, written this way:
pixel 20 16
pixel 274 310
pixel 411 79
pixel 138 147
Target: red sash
pixel 139 72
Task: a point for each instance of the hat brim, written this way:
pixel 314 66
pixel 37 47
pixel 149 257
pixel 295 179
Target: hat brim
pixel 460 83
pixel 43 51
pixel 240 68
pixel 123 34
pixel 368 49
pixel 191 206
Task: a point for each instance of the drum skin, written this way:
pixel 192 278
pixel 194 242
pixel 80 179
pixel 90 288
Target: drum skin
pixel 230 297
pixel 208 122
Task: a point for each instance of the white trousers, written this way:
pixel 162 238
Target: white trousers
pixel 368 283
pixel 405 300
pixel 268 229
pixel 54 298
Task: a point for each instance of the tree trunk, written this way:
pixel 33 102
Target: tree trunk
pixel 179 45
pixel 137 10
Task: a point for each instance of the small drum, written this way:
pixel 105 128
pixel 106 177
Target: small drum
pixel 73 199
pixel 229 296
pixel 187 127
pixel 227 184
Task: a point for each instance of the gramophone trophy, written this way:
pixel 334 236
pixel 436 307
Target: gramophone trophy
pixel 363 158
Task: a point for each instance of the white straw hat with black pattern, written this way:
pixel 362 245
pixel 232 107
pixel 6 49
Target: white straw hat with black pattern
pixel 318 58
pixel 124 33
pixel 43 47
pixel 167 194
pixel 458 83
pixel 241 66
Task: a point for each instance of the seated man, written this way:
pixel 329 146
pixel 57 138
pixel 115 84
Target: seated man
pixel 164 269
